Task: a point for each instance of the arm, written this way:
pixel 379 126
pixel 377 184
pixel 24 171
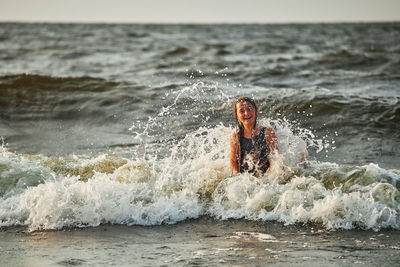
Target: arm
pixel 234 160
pixel 272 141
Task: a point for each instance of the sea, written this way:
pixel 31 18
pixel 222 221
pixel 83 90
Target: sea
pixel 115 144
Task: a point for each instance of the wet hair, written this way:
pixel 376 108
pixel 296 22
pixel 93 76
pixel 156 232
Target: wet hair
pixel 239 125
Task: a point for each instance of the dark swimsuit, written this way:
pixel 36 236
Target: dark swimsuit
pixel 254 154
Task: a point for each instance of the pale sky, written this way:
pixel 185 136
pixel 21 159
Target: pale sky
pixel 199 11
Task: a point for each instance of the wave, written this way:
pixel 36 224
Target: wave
pixel 77 114
pixel 35 97
pixel 57 84
pixel 375 111
pixel 193 179
pixel 28 97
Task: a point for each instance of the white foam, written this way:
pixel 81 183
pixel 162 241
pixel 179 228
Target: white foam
pixel 305 199
pixel 70 202
pixel 260 236
pixel 193 180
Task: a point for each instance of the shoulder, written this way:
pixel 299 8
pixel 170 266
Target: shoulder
pixel 271 139
pixel 235 138
pixel 269 132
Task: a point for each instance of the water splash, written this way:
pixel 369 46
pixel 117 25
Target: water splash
pixel 185 173
pixel 192 181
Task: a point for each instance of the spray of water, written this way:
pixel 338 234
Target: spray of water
pixel 186 174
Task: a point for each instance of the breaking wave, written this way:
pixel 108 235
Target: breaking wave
pixel 193 180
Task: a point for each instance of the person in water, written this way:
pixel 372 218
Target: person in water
pixel 251 145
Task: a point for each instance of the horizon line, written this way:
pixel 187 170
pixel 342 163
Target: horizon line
pixel 198 22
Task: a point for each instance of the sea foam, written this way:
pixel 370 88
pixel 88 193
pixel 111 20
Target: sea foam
pixel 194 179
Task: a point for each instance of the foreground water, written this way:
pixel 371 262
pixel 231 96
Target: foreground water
pixel 130 125
pixel 203 242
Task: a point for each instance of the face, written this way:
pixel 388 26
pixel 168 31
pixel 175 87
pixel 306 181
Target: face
pixel 246 113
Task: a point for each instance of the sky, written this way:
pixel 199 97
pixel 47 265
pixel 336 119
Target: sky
pixel 199 11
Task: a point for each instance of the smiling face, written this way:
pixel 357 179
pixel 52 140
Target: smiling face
pixel 246 113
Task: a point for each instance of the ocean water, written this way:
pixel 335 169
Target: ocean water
pixel 130 125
